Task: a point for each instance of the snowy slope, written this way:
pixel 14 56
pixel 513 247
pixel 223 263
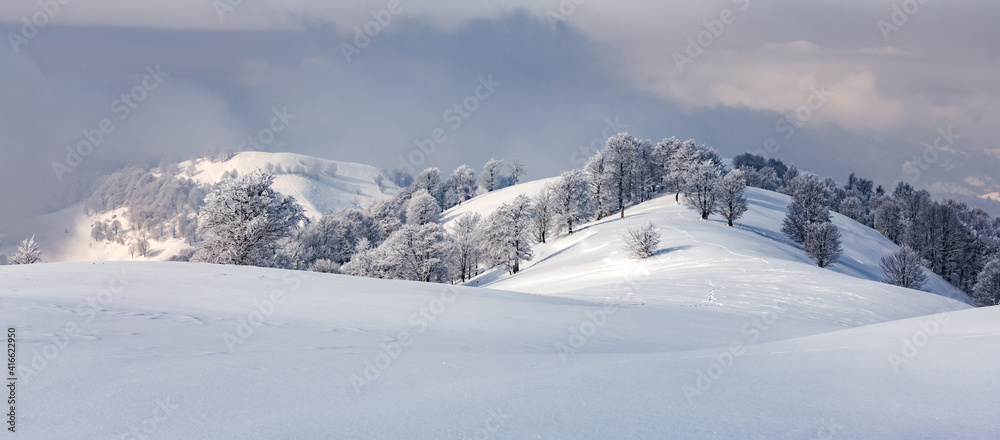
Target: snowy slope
pixel 151 354
pixel 706 265
pixel 352 185
pixel 65 235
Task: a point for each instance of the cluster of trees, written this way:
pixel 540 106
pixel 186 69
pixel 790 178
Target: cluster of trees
pixel 949 238
pixel 401 237
pixel 808 219
pixel 160 205
pixel 245 222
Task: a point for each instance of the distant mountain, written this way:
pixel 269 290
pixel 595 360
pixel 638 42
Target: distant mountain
pixel 320 185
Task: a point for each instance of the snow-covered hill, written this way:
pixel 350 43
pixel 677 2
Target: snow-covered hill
pixel 320 185
pixel 182 350
pixel 707 265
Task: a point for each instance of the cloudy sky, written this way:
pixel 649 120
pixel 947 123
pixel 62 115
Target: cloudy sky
pixel 890 90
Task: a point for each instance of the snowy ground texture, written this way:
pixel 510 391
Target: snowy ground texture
pixel 726 333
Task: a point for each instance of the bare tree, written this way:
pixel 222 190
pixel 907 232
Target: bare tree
pixel 641 242
pixel 516 169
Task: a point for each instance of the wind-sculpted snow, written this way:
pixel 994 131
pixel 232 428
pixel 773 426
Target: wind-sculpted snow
pixel 184 350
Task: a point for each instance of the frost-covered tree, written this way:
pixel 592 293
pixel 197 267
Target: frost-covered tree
pixel 140 246
pixel 887 218
pixel 662 156
pixel 100 231
pixel 334 237
pixel 243 219
pixel 544 219
pixel 115 232
pixel 489 178
pixel 429 180
pixel 700 193
pixel 363 225
pixel 903 268
pixel 823 243
pixel 422 209
pixel 464 179
pixel 27 252
pixel 595 172
pixel 516 170
pixel 641 242
pixel 730 201
pixel 835 194
pixel 367 262
pixel 388 212
pixel 572 199
pixel 767 178
pixel 468 245
pixel 398 176
pixel 646 175
pixel 324 266
pixel 620 165
pixel 686 157
pixel 789 180
pixel 419 253
pixel 507 234
pixel 987 289
pixel 938 234
pixel 853 208
pixel 808 206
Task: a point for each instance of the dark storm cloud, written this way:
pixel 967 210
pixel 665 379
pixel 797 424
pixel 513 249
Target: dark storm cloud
pixel 559 86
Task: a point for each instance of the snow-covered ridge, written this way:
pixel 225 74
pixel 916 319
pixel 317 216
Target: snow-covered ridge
pixel 320 185
pixel 708 264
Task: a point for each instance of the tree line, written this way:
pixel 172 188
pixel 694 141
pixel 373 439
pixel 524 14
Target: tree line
pixel 243 221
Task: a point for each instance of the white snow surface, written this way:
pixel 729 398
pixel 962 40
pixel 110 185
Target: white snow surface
pixel 725 333
pixel 158 340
